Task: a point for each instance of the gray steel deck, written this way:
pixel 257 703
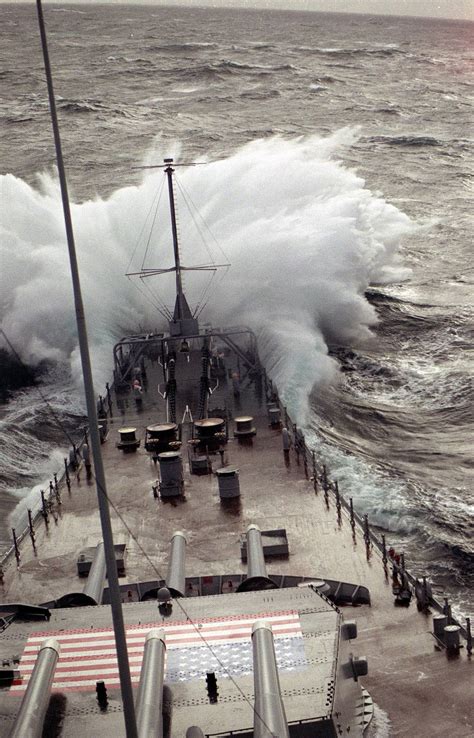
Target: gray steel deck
pixel 424 693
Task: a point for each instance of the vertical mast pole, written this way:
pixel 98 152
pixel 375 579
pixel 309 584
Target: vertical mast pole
pixel 179 286
pixel 114 589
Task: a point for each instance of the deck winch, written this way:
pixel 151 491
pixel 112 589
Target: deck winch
pixel 159 437
pixel 244 427
pixel 210 432
pixel 274 415
pixel 128 441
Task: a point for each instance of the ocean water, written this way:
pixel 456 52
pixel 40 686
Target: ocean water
pixel 337 184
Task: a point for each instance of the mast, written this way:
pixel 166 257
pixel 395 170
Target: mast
pixel 114 589
pixel 183 323
pixel 179 283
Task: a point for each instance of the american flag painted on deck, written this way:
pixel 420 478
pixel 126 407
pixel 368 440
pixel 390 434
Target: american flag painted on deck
pixel 88 656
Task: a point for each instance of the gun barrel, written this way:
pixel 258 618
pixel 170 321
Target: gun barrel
pixel 269 714
pixel 176 578
pixel 94 587
pixel 256 569
pixel 149 704
pixel 30 719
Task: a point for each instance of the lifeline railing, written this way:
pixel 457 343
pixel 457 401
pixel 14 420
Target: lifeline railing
pixel 315 471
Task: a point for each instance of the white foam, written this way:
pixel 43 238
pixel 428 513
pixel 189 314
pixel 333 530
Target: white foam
pixel 29 498
pixel 303 234
pixel 373 492
pixel 380 725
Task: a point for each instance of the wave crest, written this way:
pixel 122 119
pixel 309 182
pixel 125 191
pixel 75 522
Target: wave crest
pixel 304 236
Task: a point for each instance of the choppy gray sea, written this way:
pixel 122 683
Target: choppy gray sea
pixel 340 173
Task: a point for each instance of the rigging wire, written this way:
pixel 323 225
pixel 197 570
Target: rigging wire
pixel 152 298
pixel 192 207
pixel 204 299
pixel 156 199
pixel 153 295
pixel 155 214
pixel 189 206
pixel 146 291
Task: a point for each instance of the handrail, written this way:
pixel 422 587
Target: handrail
pixel 333 491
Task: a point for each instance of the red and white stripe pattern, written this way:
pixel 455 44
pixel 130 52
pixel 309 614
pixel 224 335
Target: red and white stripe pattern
pixel 88 656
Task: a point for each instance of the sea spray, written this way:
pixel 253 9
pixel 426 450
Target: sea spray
pixel 305 239
pixel 303 235
pixel 37 307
